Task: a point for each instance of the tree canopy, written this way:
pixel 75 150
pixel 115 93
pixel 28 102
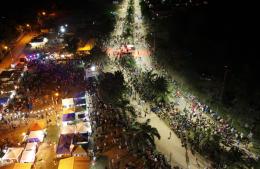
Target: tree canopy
pixel 112 88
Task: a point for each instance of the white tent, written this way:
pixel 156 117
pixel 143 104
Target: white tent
pixel 31 146
pixel 68 129
pixel 83 127
pixel 36 136
pixel 13 153
pixel 66 103
pixel 28 156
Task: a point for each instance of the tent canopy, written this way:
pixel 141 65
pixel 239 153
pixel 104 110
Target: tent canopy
pixel 69 102
pixel 74 163
pixel 37 126
pixel 79 150
pixel 36 136
pixel 68 110
pixel 68 117
pixel 31 146
pixel 18 166
pixel 28 156
pixel 13 153
pixel 68 129
pixel 64 144
pixel 83 127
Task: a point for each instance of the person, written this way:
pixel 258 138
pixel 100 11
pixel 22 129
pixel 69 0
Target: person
pixel 170 135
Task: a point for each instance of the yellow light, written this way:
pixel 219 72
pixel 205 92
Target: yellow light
pixel 5 47
pixel 27 25
pixel 43 13
pixel 56 94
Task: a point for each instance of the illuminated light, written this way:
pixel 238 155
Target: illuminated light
pixel 63 56
pixel 5 47
pixel 62 29
pixel 66 25
pixel 93 68
pixel 56 94
pixel 27 25
pixel 45 40
pixel 43 13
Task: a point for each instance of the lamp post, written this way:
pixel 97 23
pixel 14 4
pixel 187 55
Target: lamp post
pixel 29 27
pixel 10 51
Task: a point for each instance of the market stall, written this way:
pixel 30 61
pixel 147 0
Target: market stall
pixel 36 136
pixel 74 163
pixel 13 154
pixel 28 156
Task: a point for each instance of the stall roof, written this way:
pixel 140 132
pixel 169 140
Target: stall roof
pixel 68 110
pixel 13 153
pixel 64 144
pixel 28 156
pixel 74 163
pixel 68 102
pixel 31 146
pixel 68 117
pixel 79 150
pixel 83 127
pixel 18 166
pixel 36 136
pixel 68 129
pixel 37 126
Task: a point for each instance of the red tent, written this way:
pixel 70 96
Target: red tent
pixel 36 126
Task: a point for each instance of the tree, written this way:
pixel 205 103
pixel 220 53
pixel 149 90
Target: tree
pixel 72 44
pixel 111 88
pixel 153 87
pixel 160 88
pixel 141 136
pixel 127 62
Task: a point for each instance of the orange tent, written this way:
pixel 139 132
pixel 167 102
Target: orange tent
pixel 18 166
pixel 74 163
pixel 88 46
pixel 37 126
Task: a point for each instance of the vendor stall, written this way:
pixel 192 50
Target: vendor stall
pixel 13 154
pixel 36 136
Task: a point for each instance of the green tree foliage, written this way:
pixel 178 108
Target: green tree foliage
pixel 112 88
pixel 141 136
pixel 72 44
pixel 153 87
pixel 127 62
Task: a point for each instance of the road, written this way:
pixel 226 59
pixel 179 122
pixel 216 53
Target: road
pixel 16 51
pixel 171 148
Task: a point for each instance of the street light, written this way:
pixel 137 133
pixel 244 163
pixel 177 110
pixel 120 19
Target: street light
pixel 8 49
pixel 29 26
pixel 93 68
pixel 62 29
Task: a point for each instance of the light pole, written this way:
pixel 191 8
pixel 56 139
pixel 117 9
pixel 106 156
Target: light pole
pixel 29 27
pixel 10 51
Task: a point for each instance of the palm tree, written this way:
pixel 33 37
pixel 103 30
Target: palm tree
pixel 141 136
pixel 112 88
pixel 161 89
